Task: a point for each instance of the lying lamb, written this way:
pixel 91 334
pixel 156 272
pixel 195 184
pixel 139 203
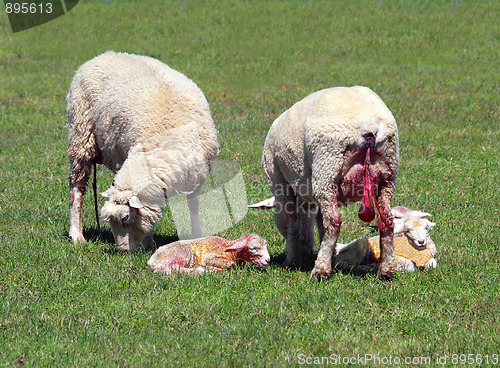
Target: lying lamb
pixel 335 147
pixel 413 245
pixel 151 126
pixel 209 254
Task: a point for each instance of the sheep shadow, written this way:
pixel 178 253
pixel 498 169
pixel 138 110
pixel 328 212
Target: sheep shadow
pixel 279 261
pixel 359 270
pixel 106 237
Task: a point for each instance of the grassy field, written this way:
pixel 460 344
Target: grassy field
pixel 437 70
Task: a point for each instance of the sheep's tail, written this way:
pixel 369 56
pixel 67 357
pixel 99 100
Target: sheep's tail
pixel 94 187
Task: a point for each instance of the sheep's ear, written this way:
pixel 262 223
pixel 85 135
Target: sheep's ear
pixel 135 202
pixel 430 225
pixel 107 193
pixel 238 245
pixel 400 212
pixel 266 204
pixel 422 215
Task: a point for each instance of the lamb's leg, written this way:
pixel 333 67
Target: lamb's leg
pixel 78 178
pixel 331 225
pixel 387 263
pixel 193 203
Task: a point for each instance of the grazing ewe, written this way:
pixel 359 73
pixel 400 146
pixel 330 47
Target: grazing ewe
pixel 209 254
pixel 316 157
pixel 150 125
pixel 413 245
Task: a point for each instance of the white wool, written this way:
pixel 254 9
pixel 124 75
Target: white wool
pixel 314 150
pixel 149 124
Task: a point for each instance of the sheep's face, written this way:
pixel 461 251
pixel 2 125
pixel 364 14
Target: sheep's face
pixel 256 251
pixel 127 224
pixel 130 220
pixel 416 230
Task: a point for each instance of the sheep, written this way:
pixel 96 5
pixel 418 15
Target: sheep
pixel 212 253
pixel 317 156
pixel 413 245
pixel 151 126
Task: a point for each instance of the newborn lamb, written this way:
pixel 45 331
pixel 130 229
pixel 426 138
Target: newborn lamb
pixel 212 253
pixel 412 245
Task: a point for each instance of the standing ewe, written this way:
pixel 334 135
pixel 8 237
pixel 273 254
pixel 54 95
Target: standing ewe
pixel 150 125
pixel 209 254
pixel 315 159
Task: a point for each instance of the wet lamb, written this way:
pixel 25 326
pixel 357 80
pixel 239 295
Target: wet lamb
pixel 212 253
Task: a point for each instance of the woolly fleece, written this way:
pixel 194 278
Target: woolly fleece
pixel 313 159
pixel 148 123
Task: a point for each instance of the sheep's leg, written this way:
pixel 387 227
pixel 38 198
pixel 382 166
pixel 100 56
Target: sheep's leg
pixel 193 203
pixel 319 223
pixel 280 221
pixel 288 224
pixel 300 236
pixel 293 253
pixel 387 263
pixel 79 176
pixel 331 225
pixel 82 153
pixel 307 219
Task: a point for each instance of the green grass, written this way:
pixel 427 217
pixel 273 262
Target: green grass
pixel 437 70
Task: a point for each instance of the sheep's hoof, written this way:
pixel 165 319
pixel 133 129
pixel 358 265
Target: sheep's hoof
pixel 78 239
pixel 292 263
pixel 386 271
pixel 320 273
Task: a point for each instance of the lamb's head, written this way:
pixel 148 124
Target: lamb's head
pixel 416 230
pixel 251 248
pixel 130 220
pixel 414 224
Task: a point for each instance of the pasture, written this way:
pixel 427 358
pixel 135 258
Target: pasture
pixel 63 304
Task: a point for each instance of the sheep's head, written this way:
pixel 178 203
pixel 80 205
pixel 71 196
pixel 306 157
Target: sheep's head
pixel 414 224
pixel 251 248
pixel 401 214
pixel 416 230
pixel 130 220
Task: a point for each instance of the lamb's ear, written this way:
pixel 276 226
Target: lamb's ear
pixel 135 202
pixel 238 245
